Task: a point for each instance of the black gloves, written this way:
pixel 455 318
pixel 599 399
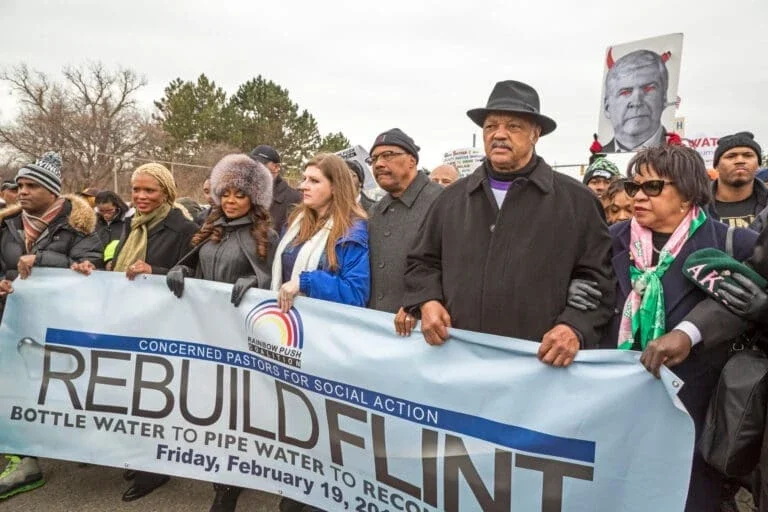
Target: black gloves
pixel 175 279
pixel 748 301
pixel 584 295
pixel 240 288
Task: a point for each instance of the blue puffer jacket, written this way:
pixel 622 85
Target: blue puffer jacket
pixel 351 283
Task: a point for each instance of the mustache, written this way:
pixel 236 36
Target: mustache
pixel 500 144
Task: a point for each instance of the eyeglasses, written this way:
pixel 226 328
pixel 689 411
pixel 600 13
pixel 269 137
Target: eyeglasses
pixel 650 188
pixel 385 155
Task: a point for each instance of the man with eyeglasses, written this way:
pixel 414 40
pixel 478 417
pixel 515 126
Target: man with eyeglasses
pixel 497 249
pixel 395 219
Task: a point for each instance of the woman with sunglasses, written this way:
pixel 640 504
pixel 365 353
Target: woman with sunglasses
pixel 669 188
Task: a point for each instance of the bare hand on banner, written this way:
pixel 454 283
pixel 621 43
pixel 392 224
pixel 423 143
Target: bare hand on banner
pixel 6 287
pixel 435 322
pixel 404 323
pixel 140 267
pixel 559 346
pixel 287 294
pixel 83 267
pixel 25 265
pixel 669 349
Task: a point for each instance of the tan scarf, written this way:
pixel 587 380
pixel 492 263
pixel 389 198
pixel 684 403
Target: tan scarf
pixel 34 226
pixel 135 247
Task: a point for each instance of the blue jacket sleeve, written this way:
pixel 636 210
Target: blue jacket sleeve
pixel 350 285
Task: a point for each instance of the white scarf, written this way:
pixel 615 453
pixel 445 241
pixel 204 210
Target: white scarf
pixel 309 255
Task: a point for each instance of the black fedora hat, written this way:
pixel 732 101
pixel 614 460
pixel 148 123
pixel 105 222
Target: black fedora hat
pixel 513 97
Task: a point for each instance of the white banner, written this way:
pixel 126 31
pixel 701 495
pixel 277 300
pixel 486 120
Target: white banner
pixel 326 405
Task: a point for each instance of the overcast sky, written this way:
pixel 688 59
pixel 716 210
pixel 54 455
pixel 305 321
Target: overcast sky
pixel 362 68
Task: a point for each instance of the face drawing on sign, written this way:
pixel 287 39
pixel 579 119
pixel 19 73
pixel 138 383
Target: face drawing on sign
pixel 635 97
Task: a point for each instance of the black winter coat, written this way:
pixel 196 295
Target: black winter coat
pixel 70 238
pixel 506 270
pixel 110 231
pixel 284 198
pixel 167 242
pixel 760 193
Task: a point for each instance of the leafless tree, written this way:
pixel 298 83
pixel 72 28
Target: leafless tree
pixel 91 117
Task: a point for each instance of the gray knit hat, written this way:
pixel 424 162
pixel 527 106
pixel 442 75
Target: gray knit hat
pixel 243 173
pixel 46 171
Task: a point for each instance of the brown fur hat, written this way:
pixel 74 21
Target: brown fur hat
pixel 245 174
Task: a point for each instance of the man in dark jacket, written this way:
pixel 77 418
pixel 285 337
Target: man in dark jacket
pixel 394 221
pixel 358 178
pixel 498 249
pixel 43 230
pixel 284 198
pixel 739 196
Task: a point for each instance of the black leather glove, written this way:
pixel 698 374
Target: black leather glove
pixel 175 279
pixel 240 288
pixel 584 295
pixel 746 299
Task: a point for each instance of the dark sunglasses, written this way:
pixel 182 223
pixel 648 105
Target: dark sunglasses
pixel 650 188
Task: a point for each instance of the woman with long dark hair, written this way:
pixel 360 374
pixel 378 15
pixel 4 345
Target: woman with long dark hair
pixel 236 244
pixel 236 239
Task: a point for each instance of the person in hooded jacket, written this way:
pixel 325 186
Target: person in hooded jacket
pixel 236 244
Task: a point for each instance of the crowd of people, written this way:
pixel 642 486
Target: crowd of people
pixel 514 249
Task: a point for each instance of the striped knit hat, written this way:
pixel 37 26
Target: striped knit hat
pixel 46 171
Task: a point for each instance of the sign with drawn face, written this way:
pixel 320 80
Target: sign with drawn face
pixel 640 82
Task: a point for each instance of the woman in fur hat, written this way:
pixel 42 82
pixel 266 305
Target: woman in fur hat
pixel 324 252
pixel 236 244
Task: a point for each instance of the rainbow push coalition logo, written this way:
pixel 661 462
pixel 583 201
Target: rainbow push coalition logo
pixel 274 334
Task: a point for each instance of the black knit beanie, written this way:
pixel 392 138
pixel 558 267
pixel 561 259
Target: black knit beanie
pixel 355 167
pixel 738 140
pixel 396 137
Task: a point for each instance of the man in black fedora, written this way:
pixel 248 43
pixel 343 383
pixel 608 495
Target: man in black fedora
pixel 497 250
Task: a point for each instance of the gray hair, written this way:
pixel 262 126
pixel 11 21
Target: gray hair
pixel 633 61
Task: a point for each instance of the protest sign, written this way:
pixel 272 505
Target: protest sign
pixel 639 95
pixel 465 160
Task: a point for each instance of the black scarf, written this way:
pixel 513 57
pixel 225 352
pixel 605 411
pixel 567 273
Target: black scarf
pixel 525 172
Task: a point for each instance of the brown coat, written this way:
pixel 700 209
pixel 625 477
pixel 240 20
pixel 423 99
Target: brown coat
pixel 506 271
